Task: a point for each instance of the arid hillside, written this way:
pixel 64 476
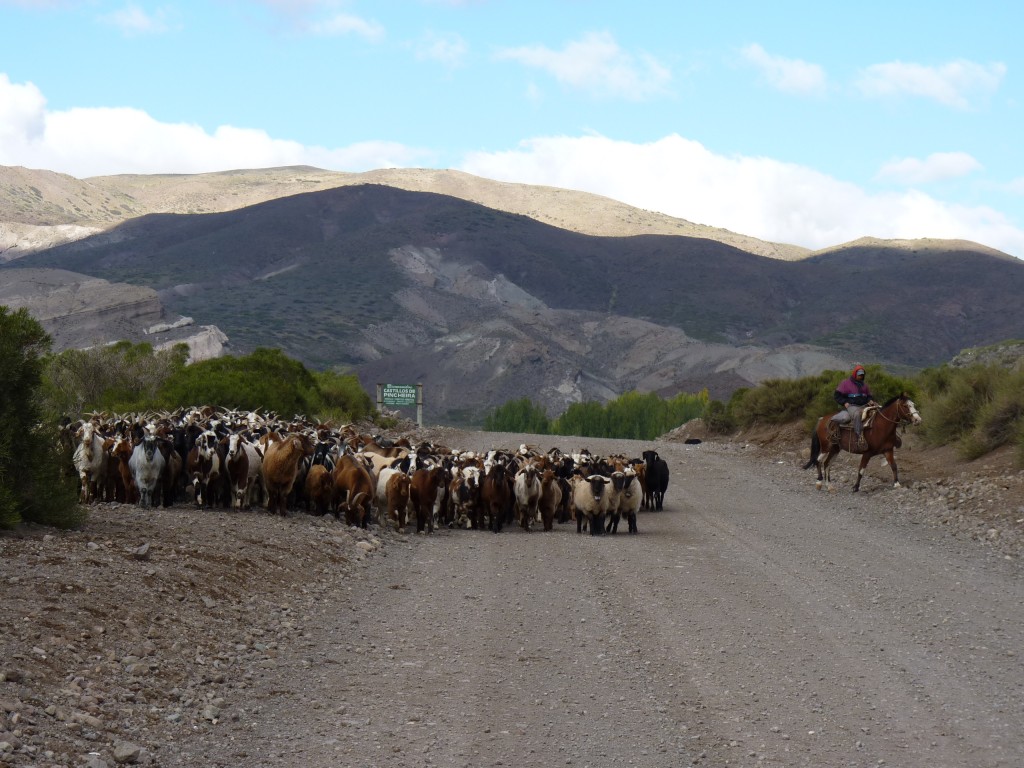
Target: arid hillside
pixel 33 204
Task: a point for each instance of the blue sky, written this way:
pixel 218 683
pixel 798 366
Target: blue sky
pixel 803 122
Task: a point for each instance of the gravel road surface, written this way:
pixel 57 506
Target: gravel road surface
pixel 753 622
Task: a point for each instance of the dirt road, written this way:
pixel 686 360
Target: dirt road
pixel 753 622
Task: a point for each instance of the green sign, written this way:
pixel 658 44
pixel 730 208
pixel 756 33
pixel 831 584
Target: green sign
pixel 399 394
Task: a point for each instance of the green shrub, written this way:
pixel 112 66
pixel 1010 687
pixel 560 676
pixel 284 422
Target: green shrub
pixel 266 379
pixel 342 397
pixel 717 419
pixel 998 421
pixel 118 378
pixel 33 485
pixel 778 401
pixel 953 410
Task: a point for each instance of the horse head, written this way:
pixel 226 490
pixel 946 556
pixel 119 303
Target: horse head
pixel 907 411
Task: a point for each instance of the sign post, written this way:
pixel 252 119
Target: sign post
pixel 402 394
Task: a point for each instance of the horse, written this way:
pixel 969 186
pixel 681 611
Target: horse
pixel 879 438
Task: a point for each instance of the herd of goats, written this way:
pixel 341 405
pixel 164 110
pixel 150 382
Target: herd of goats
pixel 232 459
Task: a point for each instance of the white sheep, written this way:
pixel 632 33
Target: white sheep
pixel 626 495
pixel 590 500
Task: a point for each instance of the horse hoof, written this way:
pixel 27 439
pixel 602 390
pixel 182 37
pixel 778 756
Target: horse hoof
pixel 818 485
pixel 896 485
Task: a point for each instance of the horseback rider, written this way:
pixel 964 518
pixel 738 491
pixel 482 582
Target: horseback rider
pixel 852 394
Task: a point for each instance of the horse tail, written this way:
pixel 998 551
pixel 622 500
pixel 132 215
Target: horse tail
pixel 815 449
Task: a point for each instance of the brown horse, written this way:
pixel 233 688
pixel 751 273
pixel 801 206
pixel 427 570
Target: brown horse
pixel 879 438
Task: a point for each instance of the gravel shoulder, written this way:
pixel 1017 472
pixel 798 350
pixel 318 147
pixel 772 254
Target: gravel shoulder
pixel 755 621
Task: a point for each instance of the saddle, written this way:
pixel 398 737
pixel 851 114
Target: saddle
pixel 867 417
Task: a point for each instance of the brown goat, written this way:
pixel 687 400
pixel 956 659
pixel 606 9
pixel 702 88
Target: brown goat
pixel 319 489
pixel 550 498
pixel 423 493
pixel 280 468
pixel 353 490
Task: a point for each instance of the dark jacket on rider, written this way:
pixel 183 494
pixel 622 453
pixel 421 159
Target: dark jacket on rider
pixel 853 392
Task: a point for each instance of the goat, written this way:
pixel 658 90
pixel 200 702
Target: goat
pixel 353 490
pixel 147 465
pixel 90 461
pixel 319 490
pixel 550 498
pixel 280 468
pixel 204 469
pixel 427 485
pixel 495 496
pixel 464 492
pixel 527 489
pixel 243 465
pixel 393 497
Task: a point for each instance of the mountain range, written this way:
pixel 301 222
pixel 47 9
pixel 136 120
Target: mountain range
pixel 485 291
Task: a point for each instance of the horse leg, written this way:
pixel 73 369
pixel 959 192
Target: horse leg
pixel 864 459
pixel 825 467
pixel 890 459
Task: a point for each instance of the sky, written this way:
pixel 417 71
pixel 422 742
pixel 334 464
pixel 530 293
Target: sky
pixel 811 123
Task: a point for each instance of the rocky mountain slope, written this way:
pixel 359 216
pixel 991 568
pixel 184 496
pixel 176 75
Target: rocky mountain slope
pixel 482 306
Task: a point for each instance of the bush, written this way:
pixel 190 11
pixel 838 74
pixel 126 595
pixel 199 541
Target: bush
pixel 717 419
pixel 342 397
pixel 958 398
pixel 119 378
pixel 33 486
pixel 999 420
pixel 266 379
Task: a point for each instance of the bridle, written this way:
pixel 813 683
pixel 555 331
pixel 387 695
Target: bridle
pixel 901 408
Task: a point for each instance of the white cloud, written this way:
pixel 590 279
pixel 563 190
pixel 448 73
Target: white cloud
pixel 790 75
pixel 952 84
pixel 133 20
pixel 597 64
pixel 938 166
pixel 448 49
pixel 765 198
pixel 345 24
pixel 22 114
pixel 101 141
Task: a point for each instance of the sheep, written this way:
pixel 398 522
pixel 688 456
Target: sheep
pixel 590 502
pixel 628 496
pixel 657 481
